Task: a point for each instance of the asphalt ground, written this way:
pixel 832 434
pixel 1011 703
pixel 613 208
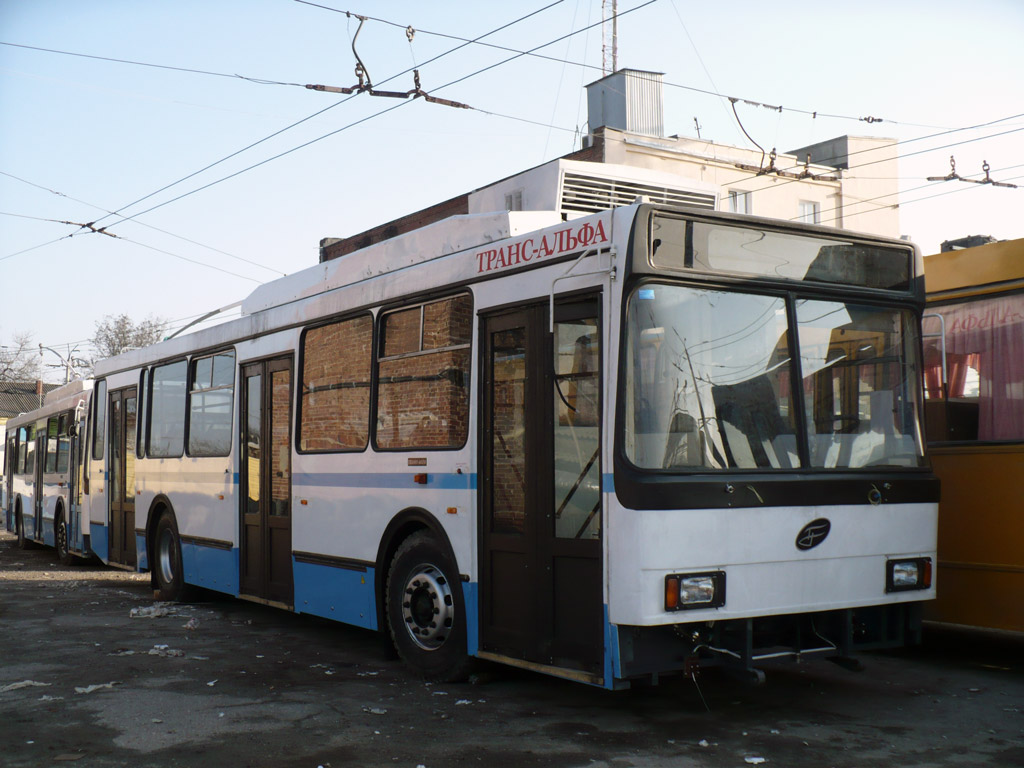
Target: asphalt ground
pixel 222 683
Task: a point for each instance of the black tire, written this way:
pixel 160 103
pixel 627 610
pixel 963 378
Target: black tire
pixel 60 535
pixel 19 526
pixel 168 574
pixel 426 611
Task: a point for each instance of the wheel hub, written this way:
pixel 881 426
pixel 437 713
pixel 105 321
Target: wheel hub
pixel 165 556
pixel 428 607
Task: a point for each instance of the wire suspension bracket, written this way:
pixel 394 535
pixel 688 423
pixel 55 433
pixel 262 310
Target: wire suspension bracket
pixel 365 84
pixel 954 176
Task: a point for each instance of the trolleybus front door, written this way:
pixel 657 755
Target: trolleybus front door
pixel 541 596
pixel 123 416
pixel 266 481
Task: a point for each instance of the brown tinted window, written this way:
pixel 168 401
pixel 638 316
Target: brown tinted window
pixel 336 361
pixel 423 385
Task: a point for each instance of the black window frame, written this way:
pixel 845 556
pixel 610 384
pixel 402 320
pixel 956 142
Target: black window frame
pixel 371 384
pixel 380 340
pixel 191 390
pixel 183 416
pixel 98 439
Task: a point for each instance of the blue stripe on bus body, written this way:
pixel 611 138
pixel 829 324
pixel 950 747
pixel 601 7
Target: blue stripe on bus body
pixel 335 593
pixel 612 662
pixel 98 540
pixel 608 482
pixel 469 597
pixel 438 481
pixel 210 567
pixel 141 555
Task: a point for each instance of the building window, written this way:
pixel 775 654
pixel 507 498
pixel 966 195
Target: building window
pixel 336 363
pixel 738 202
pixel 210 406
pixel 514 200
pixel 810 213
pixel 423 375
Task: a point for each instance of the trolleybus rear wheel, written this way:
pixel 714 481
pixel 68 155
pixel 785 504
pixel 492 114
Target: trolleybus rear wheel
pixel 426 612
pixel 61 535
pixel 170 577
pixel 19 525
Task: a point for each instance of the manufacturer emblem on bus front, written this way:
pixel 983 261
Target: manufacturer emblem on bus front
pixel 812 534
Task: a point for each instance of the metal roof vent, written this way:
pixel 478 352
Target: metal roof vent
pixel 628 100
pixel 588 194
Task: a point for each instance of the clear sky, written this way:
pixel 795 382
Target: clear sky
pixel 81 137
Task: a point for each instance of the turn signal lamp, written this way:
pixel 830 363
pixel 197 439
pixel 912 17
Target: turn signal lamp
pixel 911 573
pixel 688 591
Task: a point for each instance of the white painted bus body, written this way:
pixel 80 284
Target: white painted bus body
pixel 343 504
pixel 43 497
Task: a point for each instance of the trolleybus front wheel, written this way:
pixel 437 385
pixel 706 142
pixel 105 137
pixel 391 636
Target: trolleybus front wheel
pixel 170 577
pixel 425 610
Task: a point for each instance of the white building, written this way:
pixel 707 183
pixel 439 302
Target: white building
pixel 627 155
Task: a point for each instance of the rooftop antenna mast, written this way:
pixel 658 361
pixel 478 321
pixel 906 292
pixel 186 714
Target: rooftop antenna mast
pixel 609 36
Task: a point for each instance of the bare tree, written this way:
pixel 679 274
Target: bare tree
pixel 19 360
pixel 119 333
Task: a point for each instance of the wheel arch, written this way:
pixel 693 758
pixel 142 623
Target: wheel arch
pixel 404 524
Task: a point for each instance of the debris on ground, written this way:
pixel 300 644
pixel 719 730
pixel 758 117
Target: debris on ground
pixel 192 623
pixel 96 687
pixel 374 711
pixel 22 684
pixel 753 760
pixel 165 651
pixel 152 612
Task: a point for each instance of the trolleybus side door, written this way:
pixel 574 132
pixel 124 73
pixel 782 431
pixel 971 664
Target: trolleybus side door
pixel 541 593
pixel 37 482
pixel 266 481
pixel 123 417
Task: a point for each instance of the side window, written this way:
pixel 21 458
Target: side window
pixel 335 404
pixel 52 437
pixel 19 459
pixel 63 444
pixel 99 421
pixel 423 375
pixel 168 388
pixel 140 438
pixel 983 399
pixel 30 450
pixel 211 389
pixel 19 448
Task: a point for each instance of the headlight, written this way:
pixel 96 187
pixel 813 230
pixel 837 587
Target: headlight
pixel 687 591
pixel 912 573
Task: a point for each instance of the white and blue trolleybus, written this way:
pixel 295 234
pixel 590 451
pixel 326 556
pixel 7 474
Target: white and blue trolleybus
pixel 609 448
pixel 43 467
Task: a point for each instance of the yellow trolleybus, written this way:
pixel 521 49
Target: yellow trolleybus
pixel 975 415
